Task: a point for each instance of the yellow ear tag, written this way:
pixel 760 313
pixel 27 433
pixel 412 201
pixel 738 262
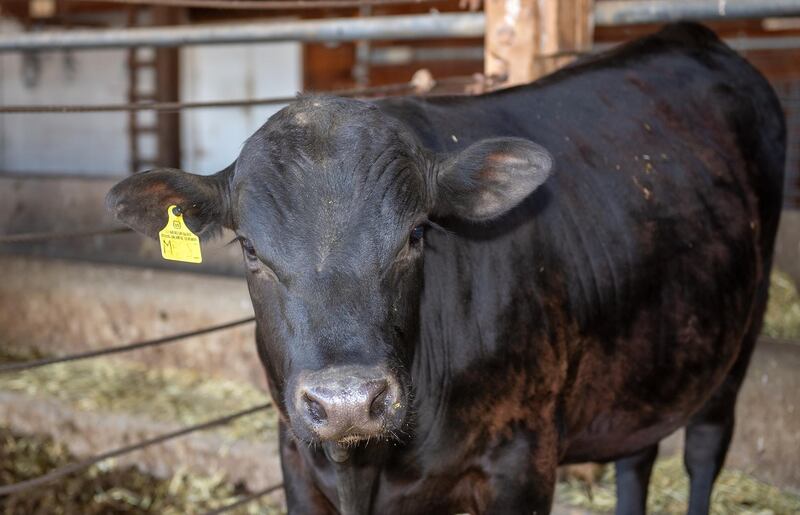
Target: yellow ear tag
pixel 178 243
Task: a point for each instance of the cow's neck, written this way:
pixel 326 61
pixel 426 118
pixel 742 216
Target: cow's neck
pixel 467 311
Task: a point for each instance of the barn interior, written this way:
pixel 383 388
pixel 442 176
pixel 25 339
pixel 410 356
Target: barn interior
pixel 84 103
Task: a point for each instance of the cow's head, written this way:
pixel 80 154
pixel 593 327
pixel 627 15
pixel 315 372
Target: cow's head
pixel 330 200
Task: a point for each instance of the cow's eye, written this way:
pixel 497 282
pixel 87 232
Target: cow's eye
pixel 249 250
pixel 416 235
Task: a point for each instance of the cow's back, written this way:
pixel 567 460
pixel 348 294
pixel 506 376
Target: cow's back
pixel 621 290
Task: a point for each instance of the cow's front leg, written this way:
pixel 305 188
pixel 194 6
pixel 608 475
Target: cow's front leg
pixel 302 495
pixel 523 475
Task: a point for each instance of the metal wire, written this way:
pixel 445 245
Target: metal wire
pixel 34 237
pixel 140 106
pixel 245 500
pixel 266 5
pixel 27 365
pixel 177 106
pixel 88 462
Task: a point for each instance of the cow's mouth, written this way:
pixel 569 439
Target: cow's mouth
pixel 352 440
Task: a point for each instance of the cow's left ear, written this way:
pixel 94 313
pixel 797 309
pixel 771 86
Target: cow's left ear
pixel 490 177
pixel 141 201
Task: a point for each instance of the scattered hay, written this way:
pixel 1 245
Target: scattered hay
pixel 734 492
pixel 103 489
pixel 112 386
pixel 168 395
pixel 782 319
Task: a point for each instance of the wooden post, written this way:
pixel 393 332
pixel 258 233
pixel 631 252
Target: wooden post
pixel 526 39
pixel 167 89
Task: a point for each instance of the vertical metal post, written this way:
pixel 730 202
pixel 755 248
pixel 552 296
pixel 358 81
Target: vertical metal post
pixel 526 39
pixel 361 68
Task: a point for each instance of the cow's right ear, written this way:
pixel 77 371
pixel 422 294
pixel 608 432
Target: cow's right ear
pixel 490 177
pixel 141 201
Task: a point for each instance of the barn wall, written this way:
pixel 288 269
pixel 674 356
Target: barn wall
pixel 96 144
pixel 80 144
pixel 213 137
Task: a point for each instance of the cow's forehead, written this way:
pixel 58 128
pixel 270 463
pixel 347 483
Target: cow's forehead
pixel 324 135
pixel 321 167
pixel 331 150
pixel 331 123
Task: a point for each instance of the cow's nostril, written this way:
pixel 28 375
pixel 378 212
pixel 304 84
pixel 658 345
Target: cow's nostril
pixel 378 406
pixel 315 410
pixel 347 403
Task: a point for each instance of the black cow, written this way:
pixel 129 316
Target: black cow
pixel 447 311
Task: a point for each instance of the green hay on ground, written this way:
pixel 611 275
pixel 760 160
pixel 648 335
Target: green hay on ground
pixel 782 319
pixel 104 489
pixel 166 395
pixel 734 492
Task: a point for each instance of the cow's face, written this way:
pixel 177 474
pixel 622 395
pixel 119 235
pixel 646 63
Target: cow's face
pixel 330 201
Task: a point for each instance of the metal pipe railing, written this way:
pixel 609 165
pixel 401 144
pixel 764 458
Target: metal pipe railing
pixel 405 55
pixel 419 26
pixel 621 12
pixel 405 27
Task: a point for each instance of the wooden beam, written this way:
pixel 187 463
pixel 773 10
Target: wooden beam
pixel 526 39
pixel 167 89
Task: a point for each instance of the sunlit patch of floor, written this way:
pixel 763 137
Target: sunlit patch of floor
pixel 782 319
pixel 735 492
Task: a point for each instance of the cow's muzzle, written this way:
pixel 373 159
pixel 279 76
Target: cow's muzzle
pixel 349 404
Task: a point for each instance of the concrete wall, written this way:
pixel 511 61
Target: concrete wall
pixel 212 138
pixel 97 143
pixel 81 144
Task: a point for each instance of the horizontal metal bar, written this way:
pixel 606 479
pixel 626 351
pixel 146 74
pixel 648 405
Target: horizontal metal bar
pixel 367 92
pixel 17 366
pixel 740 44
pixel 245 500
pixel 263 5
pixel 38 237
pixel 434 25
pixel 746 44
pixel 401 55
pixel 621 12
pixel 404 55
pixel 406 27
